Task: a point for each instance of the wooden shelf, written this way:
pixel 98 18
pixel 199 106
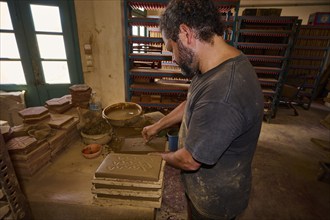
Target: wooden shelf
pixel 158 88
pixel 147 72
pixel 267 42
pixel 307 63
pixel 261 45
pixel 146 40
pixel 151 73
pixel 150 56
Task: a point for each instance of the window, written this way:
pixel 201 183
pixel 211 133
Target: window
pixel 48 30
pixel 39 48
pixel 11 69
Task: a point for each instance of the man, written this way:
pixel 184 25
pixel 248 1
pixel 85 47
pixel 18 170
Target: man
pixel 221 118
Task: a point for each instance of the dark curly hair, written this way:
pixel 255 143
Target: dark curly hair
pixel 200 15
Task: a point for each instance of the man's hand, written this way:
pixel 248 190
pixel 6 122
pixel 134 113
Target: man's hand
pixel 149 132
pixel 174 117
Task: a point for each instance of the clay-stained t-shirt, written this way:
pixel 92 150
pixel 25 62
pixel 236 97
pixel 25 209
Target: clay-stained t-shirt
pixel 222 124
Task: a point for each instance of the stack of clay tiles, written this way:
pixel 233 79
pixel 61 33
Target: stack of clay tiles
pixel 59 105
pixel 65 124
pixel 80 95
pixel 129 179
pixel 37 142
pixel 28 155
pixel 65 132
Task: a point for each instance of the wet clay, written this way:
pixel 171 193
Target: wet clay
pixel 138 145
pixel 130 166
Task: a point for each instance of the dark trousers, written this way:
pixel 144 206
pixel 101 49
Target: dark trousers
pixel 193 214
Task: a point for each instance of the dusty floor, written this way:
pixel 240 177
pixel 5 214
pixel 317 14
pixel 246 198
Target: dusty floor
pixel 286 168
pixel 285 178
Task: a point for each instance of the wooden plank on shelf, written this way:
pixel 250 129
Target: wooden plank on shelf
pixel 268 92
pixel 261 45
pixel 150 56
pixel 158 87
pixel 154 71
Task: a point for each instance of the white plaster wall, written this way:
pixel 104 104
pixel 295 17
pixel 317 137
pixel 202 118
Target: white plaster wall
pixel 100 24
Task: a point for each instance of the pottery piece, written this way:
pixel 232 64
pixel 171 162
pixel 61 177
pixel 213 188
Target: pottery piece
pixel 92 151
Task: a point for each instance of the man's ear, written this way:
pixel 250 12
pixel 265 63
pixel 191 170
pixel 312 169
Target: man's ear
pixel 186 34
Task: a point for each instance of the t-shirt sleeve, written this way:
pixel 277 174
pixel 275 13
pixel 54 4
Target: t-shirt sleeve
pixel 212 128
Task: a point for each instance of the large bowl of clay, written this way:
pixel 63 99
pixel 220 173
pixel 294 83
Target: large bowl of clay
pixel 122 114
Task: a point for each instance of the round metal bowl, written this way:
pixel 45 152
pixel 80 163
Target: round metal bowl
pixel 122 114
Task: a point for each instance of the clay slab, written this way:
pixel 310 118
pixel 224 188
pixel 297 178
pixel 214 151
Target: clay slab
pixel 27 158
pixel 33 112
pixel 130 166
pixel 36 118
pixel 132 184
pixel 137 145
pixel 59 109
pixel 79 87
pixel 110 201
pixel 58 101
pixel 58 120
pixel 136 193
pixel 27 170
pixel 21 145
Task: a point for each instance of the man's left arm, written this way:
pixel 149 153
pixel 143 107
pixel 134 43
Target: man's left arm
pixel 181 159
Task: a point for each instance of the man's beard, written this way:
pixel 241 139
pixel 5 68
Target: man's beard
pixel 186 59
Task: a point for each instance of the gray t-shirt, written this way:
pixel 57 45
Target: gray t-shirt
pixel 220 129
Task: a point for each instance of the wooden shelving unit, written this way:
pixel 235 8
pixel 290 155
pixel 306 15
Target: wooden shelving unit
pixel 308 61
pixel 152 80
pixel 267 42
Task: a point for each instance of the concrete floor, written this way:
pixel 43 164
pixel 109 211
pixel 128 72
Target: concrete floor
pixel 285 178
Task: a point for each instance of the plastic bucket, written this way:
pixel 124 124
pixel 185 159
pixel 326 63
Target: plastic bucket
pixel 173 139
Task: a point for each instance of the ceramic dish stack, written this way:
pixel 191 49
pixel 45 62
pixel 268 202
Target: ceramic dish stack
pixel 129 179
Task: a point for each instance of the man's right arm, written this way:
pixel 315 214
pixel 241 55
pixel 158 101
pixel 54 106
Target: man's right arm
pixel 172 118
